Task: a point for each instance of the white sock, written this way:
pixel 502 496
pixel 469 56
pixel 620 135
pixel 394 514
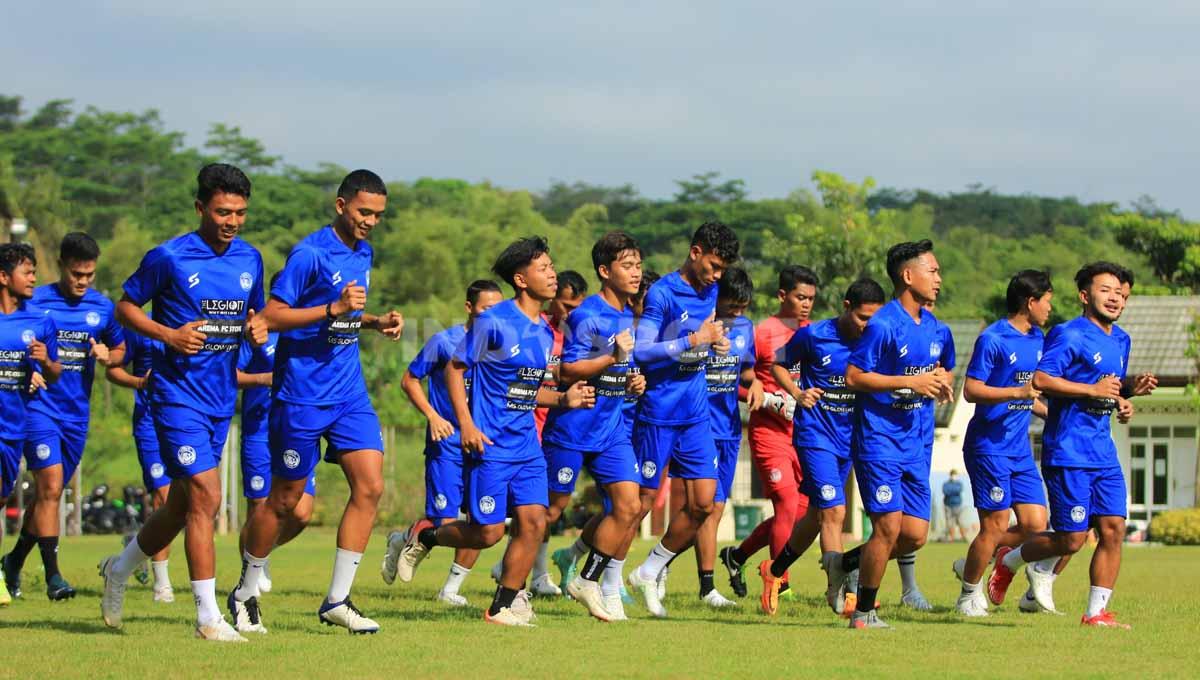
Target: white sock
pixel 540 563
pixel 827 557
pixel 128 560
pixel 579 549
pixel 454 581
pixel 1046 566
pixel 1098 600
pixel 908 571
pixel 252 568
pixel 971 588
pixel 1013 560
pixel 345 566
pixel 610 580
pixel 162 578
pixel 658 559
pixel 205 593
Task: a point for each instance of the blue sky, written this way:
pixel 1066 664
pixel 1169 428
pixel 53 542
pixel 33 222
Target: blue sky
pixel 1093 99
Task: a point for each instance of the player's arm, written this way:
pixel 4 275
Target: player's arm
pixel 185 340
pixel 439 427
pixel 45 361
pixel 754 388
pixel 587 364
pixel 578 395
pixel 472 438
pixel 1108 387
pixel 977 391
pixel 390 324
pixel 251 380
pixel 1039 409
pixel 120 377
pixel 783 378
pixel 1138 385
pixel 930 384
pixel 648 350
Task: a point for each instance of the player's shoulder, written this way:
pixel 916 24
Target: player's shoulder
pixel 1119 334
pixel 240 246
pixel 1071 328
pixel 95 298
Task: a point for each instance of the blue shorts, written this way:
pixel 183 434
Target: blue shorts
pixel 54 442
pixel 1000 482
pixel 10 466
pixel 296 431
pixel 256 467
pixel 688 449
pixel 1079 494
pixel 191 441
pixel 494 487
pixel 145 438
pixel 444 481
pixel 616 463
pixel 893 486
pixel 825 474
pixel 727 457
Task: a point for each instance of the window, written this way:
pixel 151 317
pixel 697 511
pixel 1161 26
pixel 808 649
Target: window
pixel 1185 433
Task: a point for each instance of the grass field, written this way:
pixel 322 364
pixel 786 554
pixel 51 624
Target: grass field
pixel 420 638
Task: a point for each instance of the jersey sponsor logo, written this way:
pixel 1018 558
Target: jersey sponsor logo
pixel 996 494
pixel 514 350
pixel 27 336
pixel 1039 355
pixel 186 455
pixel 291 459
pixel 487 505
pixel 828 492
pixel 1078 514
pixel 92 319
pixel 612 340
pixel 565 475
pixel 194 280
pixel 904 351
pixel 775 475
pixel 883 494
pixel 156 471
pixel 439 501
pixel 1097 358
pixel 649 469
pixel 269 350
pixel 1012 358
pixel 246 281
pixel 684 316
pixel 337 277
pixel 935 349
pixel 257 483
pixel 42 452
pixel 825 360
pixel 225 307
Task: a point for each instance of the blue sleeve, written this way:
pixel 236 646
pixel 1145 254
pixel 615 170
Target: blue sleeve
pixel 299 273
pixel 478 342
pixel 795 349
pixel 429 358
pixel 983 358
pixel 871 347
pixel 748 357
pixel 580 342
pixel 49 338
pixel 948 358
pixel 152 275
pixel 112 335
pixel 1125 364
pixel 245 355
pixel 257 298
pixel 647 349
pixel 1058 354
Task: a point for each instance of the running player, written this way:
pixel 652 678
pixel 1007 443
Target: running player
pixel 28 361
pixel 506 350
pixel 206 286
pixel 674 336
pixel 823 422
pixel 771 427
pixel 443 447
pixel 572 289
pixel 317 305
pixel 57 424
pixel 997 451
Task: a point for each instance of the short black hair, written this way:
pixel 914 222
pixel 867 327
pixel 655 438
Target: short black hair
pixel 573 280
pixel 609 248
pixel 1083 278
pixel 78 247
pixel 795 274
pixel 1126 276
pixel 13 254
pixel 865 291
pixel 649 278
pixel 519 254
pixel 1028 283
pixel 481 286
pixel 735 286
pixel 901 253
pixel 718 239
pixel 361 180
pixel 221 178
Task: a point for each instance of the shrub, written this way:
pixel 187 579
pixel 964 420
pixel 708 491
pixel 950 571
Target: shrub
pixel 1177 527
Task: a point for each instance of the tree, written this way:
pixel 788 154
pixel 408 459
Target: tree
pixel 1171 244
pixel 703 188
pixel 231 146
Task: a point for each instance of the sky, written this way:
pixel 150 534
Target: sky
pixel 1097 100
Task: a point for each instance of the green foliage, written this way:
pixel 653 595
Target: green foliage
pixel 1177 527
pixel 1171 244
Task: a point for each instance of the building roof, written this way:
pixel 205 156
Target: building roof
pixel 965 332
pixel 1160 328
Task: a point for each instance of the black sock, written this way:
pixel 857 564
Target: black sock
pixel 866 598
pixel 428 537
pixel 737 557
pixel 706 582
pixel 850 559
pixel 48 546
pixel 784 587
pixel 786 558
pixel 594 567
pixel 21 550
pixel 503 598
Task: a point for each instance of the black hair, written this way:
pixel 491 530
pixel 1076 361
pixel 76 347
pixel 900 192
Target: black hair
pixel 573 280
pixel 901 253
pixel 865 291
pixel 13 254
pixel 795 274
pixel 481 286
pixel 361 180
pixel 517 255
pixel 735 286
pixel 609 248
pixel 649 277
pixel 221 178
pixel 718 239
pixel 78 247
pixel 1028 283
pixel 1083 278
pixel 1126 276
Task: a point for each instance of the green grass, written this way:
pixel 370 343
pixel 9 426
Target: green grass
pixel 420 638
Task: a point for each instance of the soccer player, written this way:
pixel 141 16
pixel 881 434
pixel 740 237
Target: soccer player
pixel 206 287
pixel 28 361
pixel 443 447
pixel 1082 373
pixel 318 306
pixel 506 351
pixel 895 369
pixel 771 427
pixel 57 423
pixel 674 336
pixel 996 450
pixel 822 427
pixel 572 289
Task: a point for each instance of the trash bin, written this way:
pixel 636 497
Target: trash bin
pixel 745 518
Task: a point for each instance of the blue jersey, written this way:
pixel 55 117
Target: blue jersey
pixel 1003 357
pixel 591 332
pixel 430 363
pixel 139 355
pixel 947 361
pixel 319 364
pixel 821 353
pixel 17 331
pixel 189 282
pixel 723 375
pixel 1078 431
pixel 256 401
pixel 889 425
pixel 674 370
pixel 91 317
pixel 507 355
pixel 952 493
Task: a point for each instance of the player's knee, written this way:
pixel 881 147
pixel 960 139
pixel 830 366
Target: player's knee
pixel 626 510
pixel 699 510
pixel 917 541
pixel 1074 541
pixel 302 514
pixel 1111 533
pixel 491 534
pixel 49 492
pixel 368 490
pixel 835 515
